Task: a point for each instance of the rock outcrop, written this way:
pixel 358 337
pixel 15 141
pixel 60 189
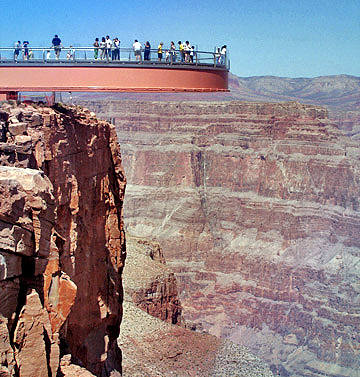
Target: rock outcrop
pixel 256 207
pixel 156 346
pixel 62 244
pixel 149 283
pixel 27 216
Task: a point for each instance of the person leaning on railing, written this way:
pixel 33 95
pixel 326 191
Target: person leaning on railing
pixel 56 43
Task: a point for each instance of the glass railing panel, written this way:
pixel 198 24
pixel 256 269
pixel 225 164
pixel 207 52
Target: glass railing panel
pixel 124 55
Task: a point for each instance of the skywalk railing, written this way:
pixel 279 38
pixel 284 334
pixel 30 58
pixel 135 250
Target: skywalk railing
pixel 84 55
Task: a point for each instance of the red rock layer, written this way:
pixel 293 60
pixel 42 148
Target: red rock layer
pixel 256 207
pixel 85 250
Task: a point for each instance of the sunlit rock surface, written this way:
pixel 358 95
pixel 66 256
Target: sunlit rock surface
pixel 62 244
pixel 28 346
pixel 256 207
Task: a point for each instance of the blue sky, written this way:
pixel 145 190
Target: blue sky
pixel 289 38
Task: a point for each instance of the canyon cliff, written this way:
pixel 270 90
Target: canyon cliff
pixel 62 243
pixel 256 206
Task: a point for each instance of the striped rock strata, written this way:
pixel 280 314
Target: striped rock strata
pixel 256 207
pixel 62 245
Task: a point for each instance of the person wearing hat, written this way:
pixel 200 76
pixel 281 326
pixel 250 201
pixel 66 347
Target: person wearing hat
pixel 160 51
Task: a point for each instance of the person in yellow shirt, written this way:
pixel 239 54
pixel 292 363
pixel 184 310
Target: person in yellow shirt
pixel 182 52
pixel 160 52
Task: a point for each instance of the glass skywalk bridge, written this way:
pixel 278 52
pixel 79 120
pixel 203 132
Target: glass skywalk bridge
pixel 78 70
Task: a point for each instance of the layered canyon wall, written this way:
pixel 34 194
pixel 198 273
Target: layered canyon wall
pixel 256 207
pixel 62 244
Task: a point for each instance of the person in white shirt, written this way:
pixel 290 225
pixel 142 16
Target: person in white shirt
pixel 102 48
pixel 223 55
pixel 187 48
pixel 108 45
pixel 137 50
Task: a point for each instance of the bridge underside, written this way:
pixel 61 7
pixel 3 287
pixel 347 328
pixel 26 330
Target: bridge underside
pixel 134 78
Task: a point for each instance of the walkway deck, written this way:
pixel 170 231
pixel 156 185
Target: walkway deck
pixel 89 75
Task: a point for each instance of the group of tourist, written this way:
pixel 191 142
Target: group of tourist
pixel 108 48
pixel 221 55
pixel 24 47
pixel 111 49
pixel 186 51
pixel 27 53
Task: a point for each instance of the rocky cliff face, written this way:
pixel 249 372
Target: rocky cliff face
pixel 62 245
pixel 257 210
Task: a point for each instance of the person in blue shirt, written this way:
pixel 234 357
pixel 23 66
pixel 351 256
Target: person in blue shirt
pixel 56 43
